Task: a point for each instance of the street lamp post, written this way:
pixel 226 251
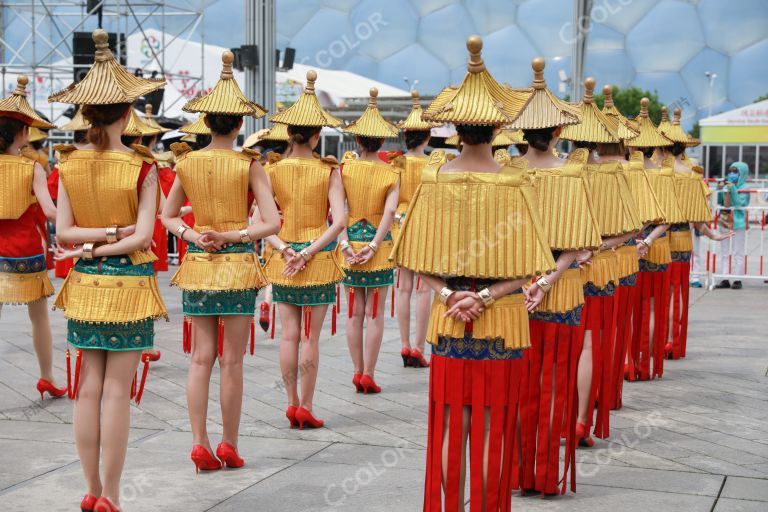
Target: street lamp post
pixel 711 76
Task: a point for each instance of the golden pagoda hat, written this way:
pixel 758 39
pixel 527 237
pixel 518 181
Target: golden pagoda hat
pixel 107 82
pixel 371 123
pixel 278 132
pixel 149 119
pixel 480 99
pixel 673 131
pixel 137 128
pixel 648 135
pixel 664 124
pixel 594 125
pixel 625 128
pixel 77 124
pixel 517 137
pixel 414 122
pixel 196 128
pixel 545 110
pixel 307 110
pixel 17 106
pixel 225 98
pixel 36 134
pixel 190 137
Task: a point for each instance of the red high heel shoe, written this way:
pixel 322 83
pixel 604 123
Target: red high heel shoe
pixel 304 417
pixel 45 386
pixel 88 503
pixel 585 441
pixel 104 504
pixel 204 460
pixel 369 385
pixel 153 355
pixel 290 413
pixel 417 359
pixel 356 382
pixel 264 316
pixel 405 353
pixel 229 456
pixel 668 354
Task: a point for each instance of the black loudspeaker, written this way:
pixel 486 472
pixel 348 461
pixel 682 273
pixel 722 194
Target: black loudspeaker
pixel 249 55
pixel 237 63
pixel 290 56
pixel 83 50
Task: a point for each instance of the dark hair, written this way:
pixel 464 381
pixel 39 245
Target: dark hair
pixel 611 149
pixel 301 134
pixel 415 138
pixel 540 138
pixel 101 116
pixel 201 141
pixel 147 139
pixel 9 129
pixel 370 144
pixel 522 148
pixel 678 148
pixel 128 140
pixel 591 146
pixel 474 134
pixel 647 152
pixel 38 144
pixel 276 146
pixel 80 136
pixel 222 124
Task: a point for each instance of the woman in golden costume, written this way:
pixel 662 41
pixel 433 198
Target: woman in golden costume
pixel 473 232
pixel 410 165
pixel 618 222
pixel 303 267
pixel 548 396
pixel 651 307
pixel 24 193
pixel 108 198
pixel 220 274
pixel 372 188
pixel 693 198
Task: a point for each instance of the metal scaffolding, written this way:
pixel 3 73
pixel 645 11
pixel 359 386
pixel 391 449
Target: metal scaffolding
pixel 36 35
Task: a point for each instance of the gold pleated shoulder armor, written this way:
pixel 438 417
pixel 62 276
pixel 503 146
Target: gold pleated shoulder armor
pixel 692 196
pixel 366 184
pixel 103 188
pixel 301 186
pixel 409 168
pixel 565 205
pixel 481 225
pixel 16 177
pixel 502 156
pixel 663 183
pixel 649 209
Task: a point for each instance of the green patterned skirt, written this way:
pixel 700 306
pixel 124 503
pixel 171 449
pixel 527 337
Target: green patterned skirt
pixel 365 232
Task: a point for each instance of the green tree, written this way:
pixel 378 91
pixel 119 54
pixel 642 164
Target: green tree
pixel 761 98
pixel 628 102
pixel 695 130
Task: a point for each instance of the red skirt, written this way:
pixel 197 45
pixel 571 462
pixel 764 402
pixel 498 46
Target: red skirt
pixel 490 387
pixel 652 287
pixel 548 407
pixel 625 296
pixel 599 318
pixel 680 273
pixel 160 247
pixel 62 267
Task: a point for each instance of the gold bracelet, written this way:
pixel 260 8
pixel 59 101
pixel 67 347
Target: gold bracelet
pixel 373 245
pixel 181 230
pixel 445 294
pixel 111 234
pixel 486 296
pixel 88 250
pixel 282 248
pixel 344 244
pixel 305 254
pixel 245 237
pixel 544 284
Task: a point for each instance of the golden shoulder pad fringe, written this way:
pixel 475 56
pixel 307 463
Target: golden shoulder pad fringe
pixel 379 261
pixel 648 207
pixel 627 260
pixel 663 181
pixel 16 176
pixel 507 318
pixel 24 288
pixel 566 206
pixel 322 269
pixel 410 168
pixel 680 241
pixel 301 186
pixel 615 208
pixel 219 272
pixel 692 198
pixel 659 252
pixel 604 269
pixel 482 225
pixel 566 294
pixel 366 185
pixel 110 299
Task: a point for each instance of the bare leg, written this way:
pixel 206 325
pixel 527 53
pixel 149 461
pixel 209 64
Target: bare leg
pixel 584 378
pixel 116 418
pixel 403 293
pixel 374 331
pixel 205 334
pixel 310 356
pixel 41 337
pixel 423 308
pixel 465 421
pixel 236 336
pixel 355 330
pixel 87 417
pixel 290 321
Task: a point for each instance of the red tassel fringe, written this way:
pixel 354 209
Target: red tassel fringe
pixel 351 302
pixel 133 384
pixel 253 335
pixel 375 303
pixel 70 394
pixel 144 373
pixel 221 337
pixel 392 309
pixel 307 321
pixel 333 320
pixel 272 325
pixel 186 341
pixel 78 364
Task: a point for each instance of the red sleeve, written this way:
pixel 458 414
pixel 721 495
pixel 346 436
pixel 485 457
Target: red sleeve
pixel 145 168
pixel 53 184
pixel 167 176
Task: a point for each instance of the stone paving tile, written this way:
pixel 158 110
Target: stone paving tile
pixel 746 489
pixel 731 505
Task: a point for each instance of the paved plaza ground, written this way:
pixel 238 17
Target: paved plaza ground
pixel 695 441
